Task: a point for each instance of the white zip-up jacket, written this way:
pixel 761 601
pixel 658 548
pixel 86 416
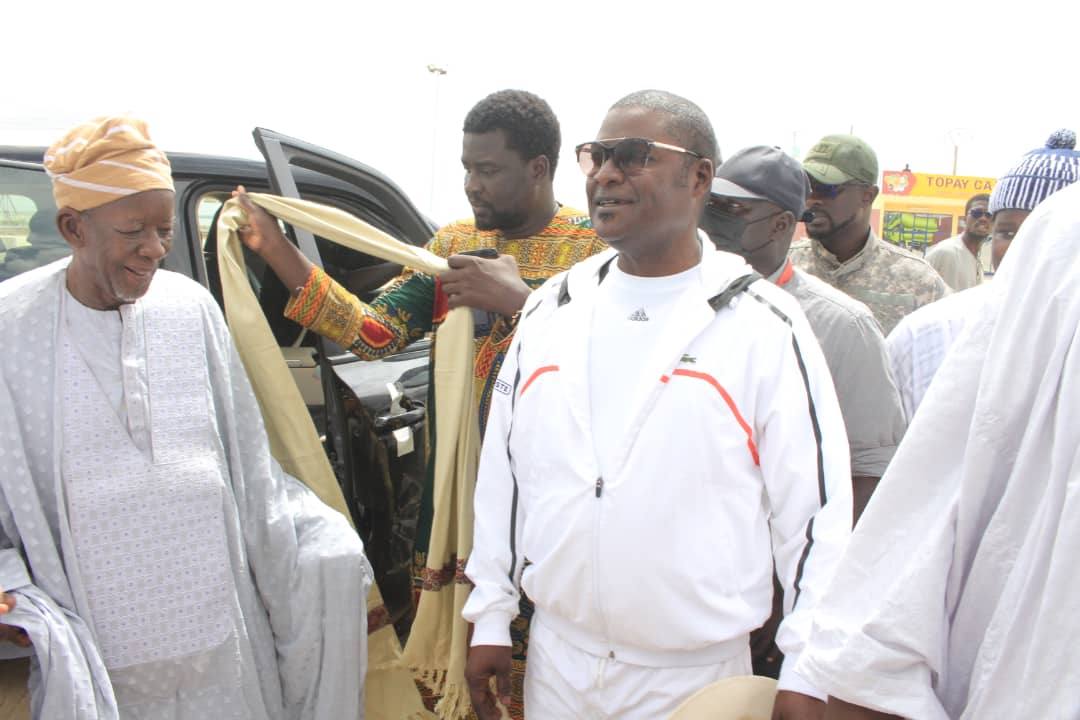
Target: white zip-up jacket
pixel 737 458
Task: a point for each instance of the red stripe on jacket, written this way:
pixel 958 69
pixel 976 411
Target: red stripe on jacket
pixel 730 403
pixel 538 373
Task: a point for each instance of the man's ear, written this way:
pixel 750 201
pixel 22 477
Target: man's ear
pixel 70 224
pixel 870 194
pixel 703 177
pixel 540 168
pixel 783 224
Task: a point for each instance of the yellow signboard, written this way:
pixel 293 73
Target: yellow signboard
pixel 959 187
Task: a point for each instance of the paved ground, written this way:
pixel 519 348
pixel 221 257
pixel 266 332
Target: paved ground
pixel 14 698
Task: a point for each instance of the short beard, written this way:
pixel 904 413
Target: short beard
pixel 831 233
pixel 502 221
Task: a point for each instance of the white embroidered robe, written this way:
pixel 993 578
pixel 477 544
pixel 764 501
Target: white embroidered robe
pixel 163 564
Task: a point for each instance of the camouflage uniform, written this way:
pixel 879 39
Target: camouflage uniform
pixel 890 280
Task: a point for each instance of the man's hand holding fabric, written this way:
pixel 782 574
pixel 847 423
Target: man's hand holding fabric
pixel 11 633
pixel 263 235
pixel 494 285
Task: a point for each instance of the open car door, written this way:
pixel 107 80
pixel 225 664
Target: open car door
pixel 374 411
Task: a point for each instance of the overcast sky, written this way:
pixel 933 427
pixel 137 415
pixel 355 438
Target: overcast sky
pixel 905 76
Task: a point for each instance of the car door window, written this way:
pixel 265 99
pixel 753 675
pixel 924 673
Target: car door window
pixel 29 237
pixel 358 189
pixel 361 274
pixel 207 207
pixel 376 441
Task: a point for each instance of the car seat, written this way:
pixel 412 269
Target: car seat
pixel 44 245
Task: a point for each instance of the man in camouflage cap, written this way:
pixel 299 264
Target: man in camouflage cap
pixel 843 250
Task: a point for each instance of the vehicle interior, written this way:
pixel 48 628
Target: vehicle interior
pixel 28 234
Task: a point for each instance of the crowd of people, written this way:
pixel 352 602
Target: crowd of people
pixel 706 451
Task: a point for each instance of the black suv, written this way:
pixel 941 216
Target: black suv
pixel 370 414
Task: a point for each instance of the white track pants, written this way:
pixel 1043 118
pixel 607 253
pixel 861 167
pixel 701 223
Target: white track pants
pixel 564 683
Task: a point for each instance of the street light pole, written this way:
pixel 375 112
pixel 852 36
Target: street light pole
pixel 438 71
pixel 957 136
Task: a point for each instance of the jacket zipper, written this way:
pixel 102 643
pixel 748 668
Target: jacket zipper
pixel 596 575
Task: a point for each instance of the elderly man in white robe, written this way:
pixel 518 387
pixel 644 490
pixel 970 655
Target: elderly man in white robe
pixel 956 597
pixel 154 556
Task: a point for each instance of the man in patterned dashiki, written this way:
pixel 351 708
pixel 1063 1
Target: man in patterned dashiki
pixel 510 151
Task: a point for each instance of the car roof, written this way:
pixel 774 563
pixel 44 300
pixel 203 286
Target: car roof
pixel 186 164
pixel 226 169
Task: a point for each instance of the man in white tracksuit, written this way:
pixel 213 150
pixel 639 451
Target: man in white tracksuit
pixel 664 429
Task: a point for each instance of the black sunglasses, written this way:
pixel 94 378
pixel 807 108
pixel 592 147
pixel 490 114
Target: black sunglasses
pixel 630 155
pixel 827 191
pixel 979 213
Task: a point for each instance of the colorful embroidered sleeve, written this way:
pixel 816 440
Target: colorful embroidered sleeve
pixel 399 316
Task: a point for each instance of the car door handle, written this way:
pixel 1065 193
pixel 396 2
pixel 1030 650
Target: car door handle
pixel 409 417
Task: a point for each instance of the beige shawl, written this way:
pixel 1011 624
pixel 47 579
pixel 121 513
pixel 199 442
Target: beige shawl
pixel 437 644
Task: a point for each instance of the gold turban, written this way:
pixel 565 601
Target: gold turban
pixel 104 160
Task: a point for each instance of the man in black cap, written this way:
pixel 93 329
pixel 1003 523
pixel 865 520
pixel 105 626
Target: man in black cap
pixel 758 196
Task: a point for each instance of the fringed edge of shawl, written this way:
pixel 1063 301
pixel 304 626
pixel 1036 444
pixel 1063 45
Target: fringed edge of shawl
pixel 432 678
pixel 455 703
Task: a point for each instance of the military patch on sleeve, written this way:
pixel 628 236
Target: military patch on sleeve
pixel 503 387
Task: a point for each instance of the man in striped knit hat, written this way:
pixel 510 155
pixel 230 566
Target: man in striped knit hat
pixel 917 346
pixel 510 151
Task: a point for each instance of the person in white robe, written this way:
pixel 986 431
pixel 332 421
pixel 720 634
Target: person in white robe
pixel 956 596
pixel 156 558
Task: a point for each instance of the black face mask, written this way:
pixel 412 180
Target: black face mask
pixel 726 231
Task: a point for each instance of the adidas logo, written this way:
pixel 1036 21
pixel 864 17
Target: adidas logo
pixel 638 316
